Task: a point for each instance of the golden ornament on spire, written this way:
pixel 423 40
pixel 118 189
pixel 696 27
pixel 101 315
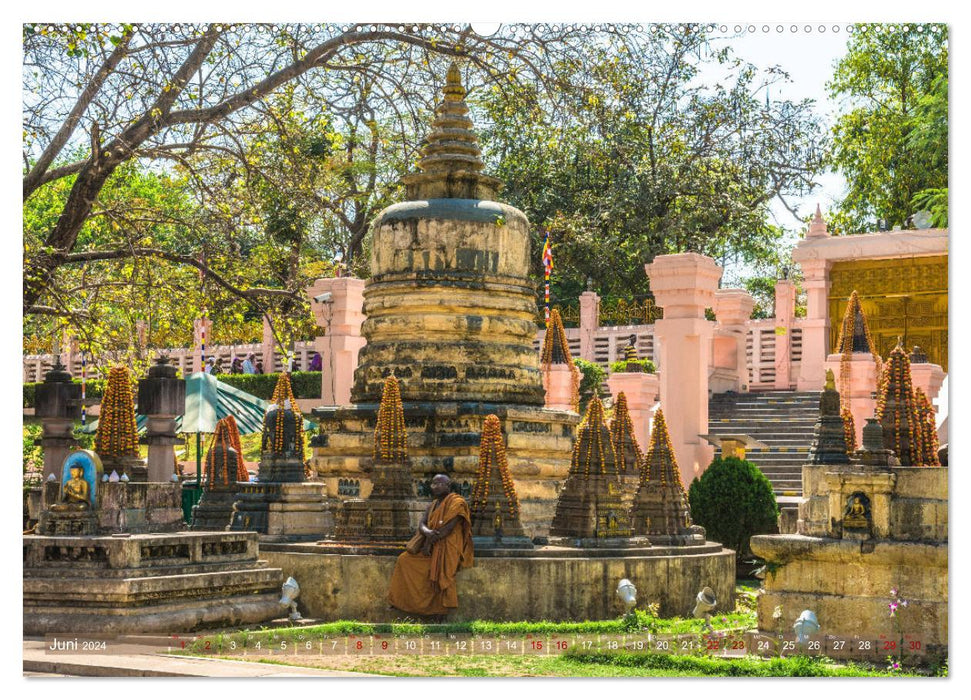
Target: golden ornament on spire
pixel 493 472
pixel 622 436
pixel 660 464
pixel 390 435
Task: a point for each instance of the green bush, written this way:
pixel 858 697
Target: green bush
pixel 733 500
pixel 306 385
pixel 646 366
pixel 592 377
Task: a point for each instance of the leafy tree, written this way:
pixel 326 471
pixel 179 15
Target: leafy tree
pixel 891 143
pixel 733 500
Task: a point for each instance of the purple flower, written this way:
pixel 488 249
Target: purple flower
pixel 904 603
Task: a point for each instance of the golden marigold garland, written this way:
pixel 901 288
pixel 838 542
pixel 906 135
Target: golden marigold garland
pixel 555 343
pixel 284 392
pixel 928 419
pixel 218 474
pixel 492 462
pixel 117 431
pixel 844 346
pixel 622 428
pixel 896 396
pixel 390 436
pixel 660 464
pixel 591 446
pixel 849 430
pixel 236 444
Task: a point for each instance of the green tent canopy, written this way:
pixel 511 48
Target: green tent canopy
pixel 208 400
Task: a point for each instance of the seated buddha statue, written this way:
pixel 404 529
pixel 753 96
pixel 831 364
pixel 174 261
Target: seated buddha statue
pixel 75 493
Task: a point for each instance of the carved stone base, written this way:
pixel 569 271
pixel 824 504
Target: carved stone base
pixel 379 520
pixel 590 508
pixel 135 467
pixel 214 511
pixel 146 583
pixel 66 523
pixel 502 542
pixel 283 512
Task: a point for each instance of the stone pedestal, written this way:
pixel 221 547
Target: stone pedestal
pixel 58 404
pixel 558 383
pixel 146 584
pixel 214 511
pixel 283 512
pixel 132 508
pixel 161 398
pixel 135 467
pixel 863 386
pixel 729 371
pixel 641 390
pixel 684 285
pixel 341 317
pixel 57 440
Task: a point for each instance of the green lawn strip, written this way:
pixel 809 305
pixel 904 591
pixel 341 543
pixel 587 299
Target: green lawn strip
pixel 642 622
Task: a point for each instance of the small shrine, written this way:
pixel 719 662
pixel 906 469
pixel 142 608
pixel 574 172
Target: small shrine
pixel 391 512
pixel 660 510
pixel 223 468
pixel 830 435
pixel 561 377
pixel 75 510
pixel 494 504
pixel 590 511
pixel 116 441
pixel 280 505
pixel 626 449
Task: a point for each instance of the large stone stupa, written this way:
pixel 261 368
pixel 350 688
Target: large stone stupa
pixel 450 312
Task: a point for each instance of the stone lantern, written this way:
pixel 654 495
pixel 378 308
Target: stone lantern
pixel 58 405
pixel 161 398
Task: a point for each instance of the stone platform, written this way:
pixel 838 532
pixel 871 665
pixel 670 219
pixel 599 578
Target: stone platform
pixel 444 438
pixel 282 512
pixel 133 507
pixel 146 583
pixel 547 583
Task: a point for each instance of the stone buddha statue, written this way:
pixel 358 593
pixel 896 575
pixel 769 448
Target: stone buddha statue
pixel 75 493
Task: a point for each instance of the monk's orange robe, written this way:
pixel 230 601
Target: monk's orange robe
pixel 426 585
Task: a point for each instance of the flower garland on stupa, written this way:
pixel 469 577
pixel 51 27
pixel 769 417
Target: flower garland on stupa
pixel 897 410
pixel 622 436
pixel 219 474
pixel 845 345
pixel 390 435
pixel 593 443
pixel 556 351
pixel 849 430
pixel 659 464
pixel 283 393
pixel 492 463
pixel 928 418
pixel 117 430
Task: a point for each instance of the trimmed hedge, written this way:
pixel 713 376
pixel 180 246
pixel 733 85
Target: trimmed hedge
pixel 646 366
pixel 733 500
pixel 306 385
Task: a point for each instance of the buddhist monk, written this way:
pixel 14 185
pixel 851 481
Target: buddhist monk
pixel 424 583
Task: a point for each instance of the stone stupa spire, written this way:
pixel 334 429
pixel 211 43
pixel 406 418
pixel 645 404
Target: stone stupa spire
pixel 622 436
pixel 817 227
pixel 451 164
pixel 829 434
pixel 556 349
pixel 660 509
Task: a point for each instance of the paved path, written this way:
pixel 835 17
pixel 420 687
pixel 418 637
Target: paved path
pixel 37 662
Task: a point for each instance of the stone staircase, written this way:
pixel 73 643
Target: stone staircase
pixel 783 420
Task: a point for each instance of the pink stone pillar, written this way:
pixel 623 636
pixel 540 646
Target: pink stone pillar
pixel 684 286
pixel 268 348
pixel 815 327
pixel 641 390
pixel 70 350
pixel 198 326
pixel 733 308
pixel 341 317
pixel 558 382
pixel 863 386
pixel 785 312
pixel 589 322
pixel 929 378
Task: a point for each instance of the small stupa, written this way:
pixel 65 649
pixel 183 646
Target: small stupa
pixel 391 512
pixel 899 414
pixel 494 504
pixel 660 511
pixel 116 442
pixel 561 377
pixel 928 419
pixel 590 511
pixel 281 458
pixel 223 468
pixel 829 434
pixel 854 339
pixel 627 450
